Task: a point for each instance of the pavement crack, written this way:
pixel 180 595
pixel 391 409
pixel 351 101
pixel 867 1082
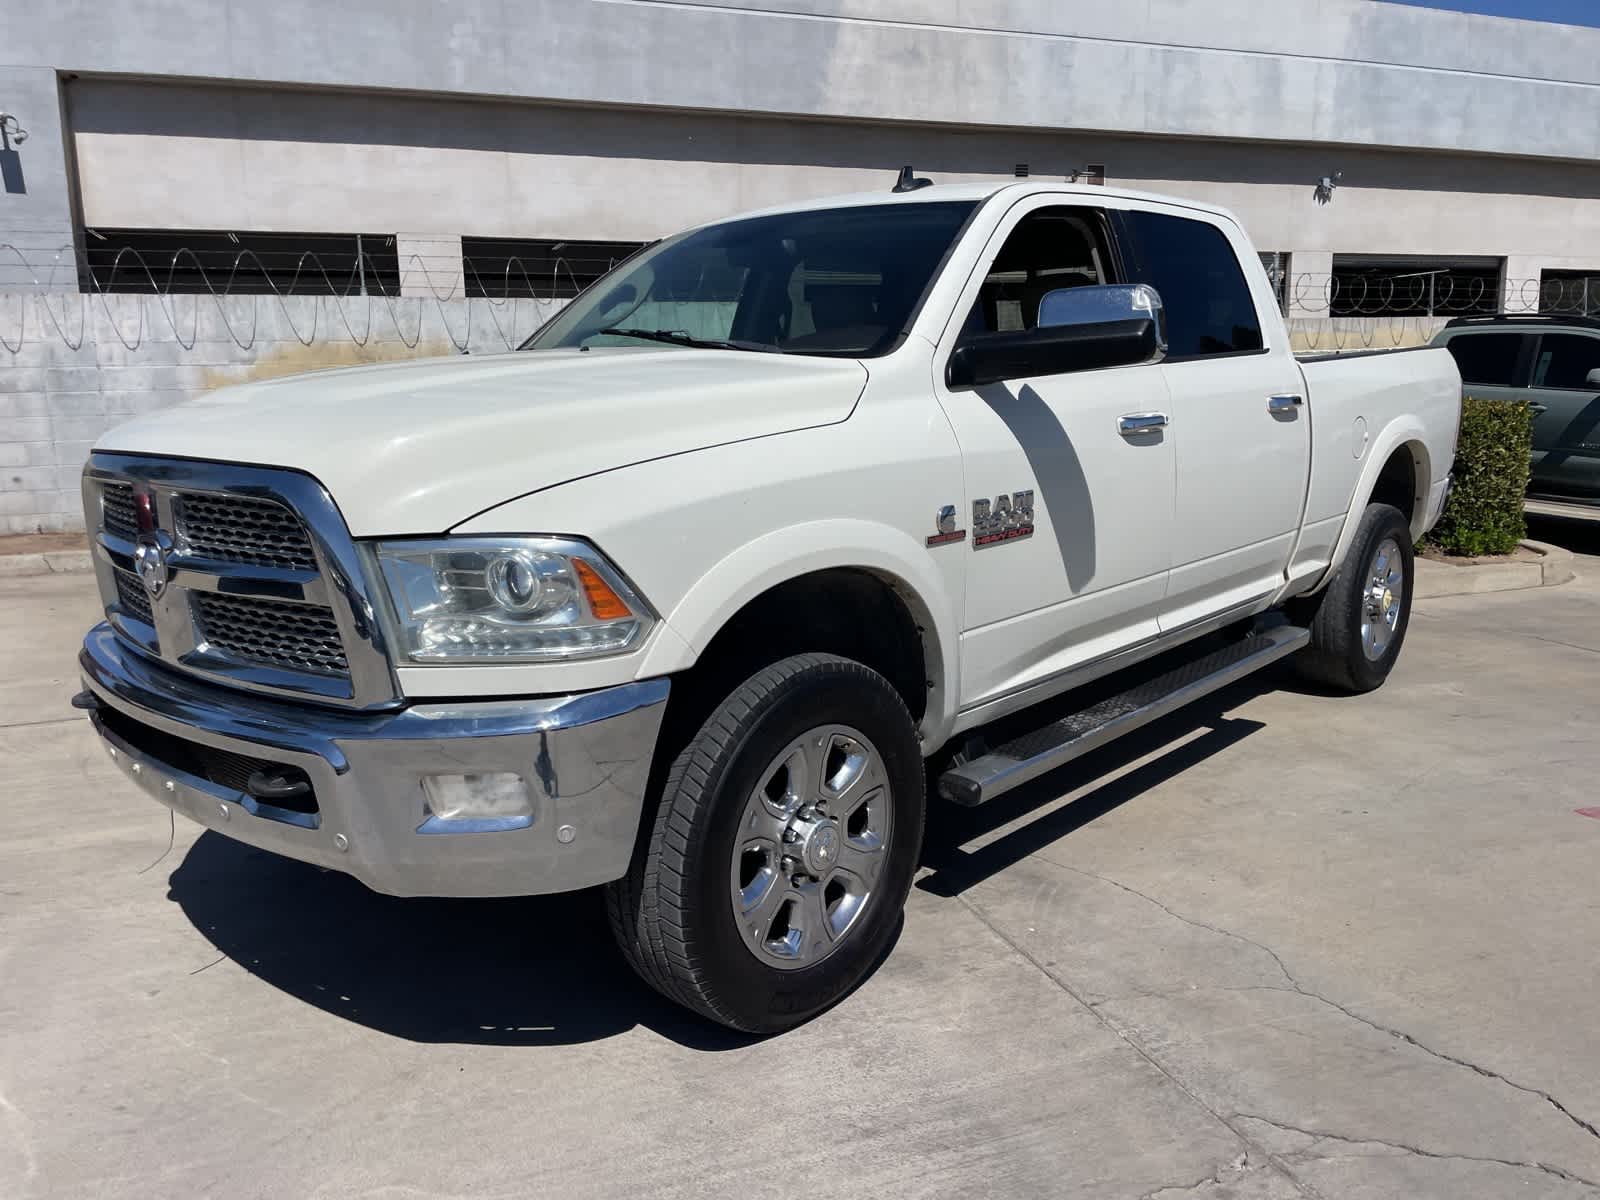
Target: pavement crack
pixel 1558 642
pixel 1323 1135
pixel 1227 1174
pixel 1184 991
pixel 1500 629
pixel 1187 920
pixel 1138 1048
pixel 1588 1127
pixel 45 721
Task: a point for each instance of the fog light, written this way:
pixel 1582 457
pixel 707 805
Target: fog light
pixel 475 803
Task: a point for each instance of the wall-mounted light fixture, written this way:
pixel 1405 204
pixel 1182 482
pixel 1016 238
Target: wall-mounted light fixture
pixel 12 135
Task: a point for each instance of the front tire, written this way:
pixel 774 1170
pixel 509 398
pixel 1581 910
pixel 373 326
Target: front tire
pixel 1358 622
pixel 783 849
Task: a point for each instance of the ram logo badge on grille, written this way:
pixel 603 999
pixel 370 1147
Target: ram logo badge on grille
pixel 150 562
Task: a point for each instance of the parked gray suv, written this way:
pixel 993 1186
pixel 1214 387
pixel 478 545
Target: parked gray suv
pixel 1554 364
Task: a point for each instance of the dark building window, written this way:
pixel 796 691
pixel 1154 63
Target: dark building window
pixel 195 261
pixel 544 269
pixel 1412 286
pixel 1570 292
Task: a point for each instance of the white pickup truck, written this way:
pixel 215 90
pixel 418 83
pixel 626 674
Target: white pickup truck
pixel 784 518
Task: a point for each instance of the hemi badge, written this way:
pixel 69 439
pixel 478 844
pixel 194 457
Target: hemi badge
pixel 945 522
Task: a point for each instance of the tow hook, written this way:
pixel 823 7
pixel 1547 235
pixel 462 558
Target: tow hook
pixel 272 786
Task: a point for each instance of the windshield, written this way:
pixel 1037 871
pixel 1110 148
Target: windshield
pixel 840 281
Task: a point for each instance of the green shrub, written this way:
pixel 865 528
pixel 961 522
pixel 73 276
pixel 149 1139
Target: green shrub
pixel 1485 515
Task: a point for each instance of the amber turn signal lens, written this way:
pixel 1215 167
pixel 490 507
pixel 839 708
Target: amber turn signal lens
pixel 605 604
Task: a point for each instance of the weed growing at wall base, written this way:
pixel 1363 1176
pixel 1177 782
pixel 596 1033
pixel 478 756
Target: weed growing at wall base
pixel 1485 514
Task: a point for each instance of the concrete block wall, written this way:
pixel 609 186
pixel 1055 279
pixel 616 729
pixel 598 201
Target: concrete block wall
pixel 35 207
pixel 73 366
pixel 1352 335
pixel 430 265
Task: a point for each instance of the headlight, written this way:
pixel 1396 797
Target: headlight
pixel 508 600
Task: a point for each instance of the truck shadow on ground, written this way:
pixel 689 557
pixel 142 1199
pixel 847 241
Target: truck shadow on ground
pixel 543 970
pixel 1179 741
pixel 537 970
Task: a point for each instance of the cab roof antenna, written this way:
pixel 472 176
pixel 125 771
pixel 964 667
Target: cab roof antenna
pixel 909 182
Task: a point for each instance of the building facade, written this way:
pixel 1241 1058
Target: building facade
pixel 1467 140
pixel 296 184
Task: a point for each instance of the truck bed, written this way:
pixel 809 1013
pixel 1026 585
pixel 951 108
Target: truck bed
pixel 1363 405
pixel 1335 355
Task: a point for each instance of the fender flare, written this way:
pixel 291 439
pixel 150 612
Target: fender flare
pixel 765 562
pixel 1399 432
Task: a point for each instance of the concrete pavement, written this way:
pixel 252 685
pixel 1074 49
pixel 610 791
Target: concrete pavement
pixel 1284 945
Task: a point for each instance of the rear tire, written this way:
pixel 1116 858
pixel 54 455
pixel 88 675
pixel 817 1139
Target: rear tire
pixel 783 849
pixel 1358 622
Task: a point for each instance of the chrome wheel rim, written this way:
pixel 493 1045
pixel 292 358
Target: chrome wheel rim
pixel 1384 599
pixel 812 845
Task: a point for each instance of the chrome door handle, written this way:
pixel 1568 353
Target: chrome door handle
pixel 1284 404
pixel 1136 423
pixel 1536 409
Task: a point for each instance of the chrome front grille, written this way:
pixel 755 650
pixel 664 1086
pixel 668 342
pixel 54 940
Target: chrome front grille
pixel 132 598
pixel 241 529
pixel 300 637
pixel 117 511
pixel 257 581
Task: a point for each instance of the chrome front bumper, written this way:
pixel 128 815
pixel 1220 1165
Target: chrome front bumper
pixel 585 759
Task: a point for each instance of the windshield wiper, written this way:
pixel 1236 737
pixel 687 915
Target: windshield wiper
pixel 678 337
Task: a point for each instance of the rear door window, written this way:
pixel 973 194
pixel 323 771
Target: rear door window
pixel 1565 360
pixel 1202 286
pixel 1487 358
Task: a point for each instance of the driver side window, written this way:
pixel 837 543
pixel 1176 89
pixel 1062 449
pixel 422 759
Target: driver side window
pixel 1050 249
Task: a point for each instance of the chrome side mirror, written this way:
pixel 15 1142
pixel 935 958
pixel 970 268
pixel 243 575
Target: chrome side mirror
pixel 1594 377
pixel 1080 329
pixel 1101 304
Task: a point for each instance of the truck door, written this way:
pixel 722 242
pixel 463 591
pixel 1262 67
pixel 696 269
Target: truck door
pixel 1240 424
pixel 1068 513
pixel 1565 398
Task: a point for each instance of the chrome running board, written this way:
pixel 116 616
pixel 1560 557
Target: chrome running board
pixel 1058 743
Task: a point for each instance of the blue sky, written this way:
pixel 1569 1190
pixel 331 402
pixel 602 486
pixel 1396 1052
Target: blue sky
pixel 1570 12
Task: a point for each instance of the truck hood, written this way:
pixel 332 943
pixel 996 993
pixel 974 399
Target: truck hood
pixel 417 447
